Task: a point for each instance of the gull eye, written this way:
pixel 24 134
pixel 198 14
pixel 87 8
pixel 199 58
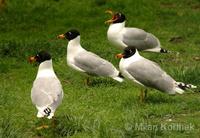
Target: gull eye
pixel 37 57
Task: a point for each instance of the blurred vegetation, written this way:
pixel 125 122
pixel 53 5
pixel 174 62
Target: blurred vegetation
pixel 105 108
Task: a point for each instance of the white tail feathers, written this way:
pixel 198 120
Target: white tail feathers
pixel 119 79
pixel 182 86
pixel 48 113
pixel 179 91
pixel 45 112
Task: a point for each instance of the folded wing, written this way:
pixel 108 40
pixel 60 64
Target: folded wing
pixel 94 64
pixel 46 91
pixel 138 38
pixel 150 74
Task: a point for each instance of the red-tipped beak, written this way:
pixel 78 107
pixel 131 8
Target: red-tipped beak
pixel 119 55
pixel 109 11
pixel 61 36
pixel 31 59
pixel 110 21
pixel 113 18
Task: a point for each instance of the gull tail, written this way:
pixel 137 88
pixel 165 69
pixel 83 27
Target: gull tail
pixel 119 78
pixel 181 87
pixel 48 112
pixel 158 50
pixel 185 86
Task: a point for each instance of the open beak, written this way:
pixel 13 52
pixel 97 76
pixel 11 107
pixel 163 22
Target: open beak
pixel 111 20
pixel 119 55
pixel 61 36
pixel 109 11
pixel 32 59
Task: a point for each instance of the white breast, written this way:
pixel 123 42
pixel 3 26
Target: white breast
pixel 73 50
pixel 46 69
pixel 114 34
pixel 46 73
pixel 125 63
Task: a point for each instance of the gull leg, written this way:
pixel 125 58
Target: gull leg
pixel 142 96
pixel 87 81
pixel 42 126
pixel 53 122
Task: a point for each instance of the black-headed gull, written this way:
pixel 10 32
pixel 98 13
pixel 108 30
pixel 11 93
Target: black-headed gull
pixel 84 61
pixel 147 73
pixel 123 37
pixel 47 92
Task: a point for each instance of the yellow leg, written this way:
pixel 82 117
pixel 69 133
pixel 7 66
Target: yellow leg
pixel 53 122
pixel 143 95
pixel 87 81
pixel 42 126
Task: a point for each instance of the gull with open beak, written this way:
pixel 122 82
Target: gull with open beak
pixel 123 37
pixel 47 92
pixel 148 74
pixel 84 61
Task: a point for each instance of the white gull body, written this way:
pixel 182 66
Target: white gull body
pixel 47 92
pixel 88 62
pixel 123 37
pixel 148 74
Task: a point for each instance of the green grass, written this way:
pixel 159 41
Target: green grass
pixel 105 109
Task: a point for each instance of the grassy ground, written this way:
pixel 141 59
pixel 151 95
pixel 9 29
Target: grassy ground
pixel 105 108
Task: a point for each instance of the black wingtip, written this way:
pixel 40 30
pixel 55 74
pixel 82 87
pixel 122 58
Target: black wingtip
pixel 120 75
pixel 163 50
pixel 184 86
pixel 47 111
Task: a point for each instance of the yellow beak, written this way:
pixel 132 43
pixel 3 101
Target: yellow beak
pixel 109 11
pixel 32 59
pixel 111 20
pixel 119 55
pixel 61 36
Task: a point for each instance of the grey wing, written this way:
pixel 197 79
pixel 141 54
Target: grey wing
pixel 138 38
pixel 46 91
pixel 151 75
pixel 94 64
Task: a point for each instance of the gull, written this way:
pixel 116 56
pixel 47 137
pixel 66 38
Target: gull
pixel 148 74
pixel 123 37
pixel 47 92
pixel 84 61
